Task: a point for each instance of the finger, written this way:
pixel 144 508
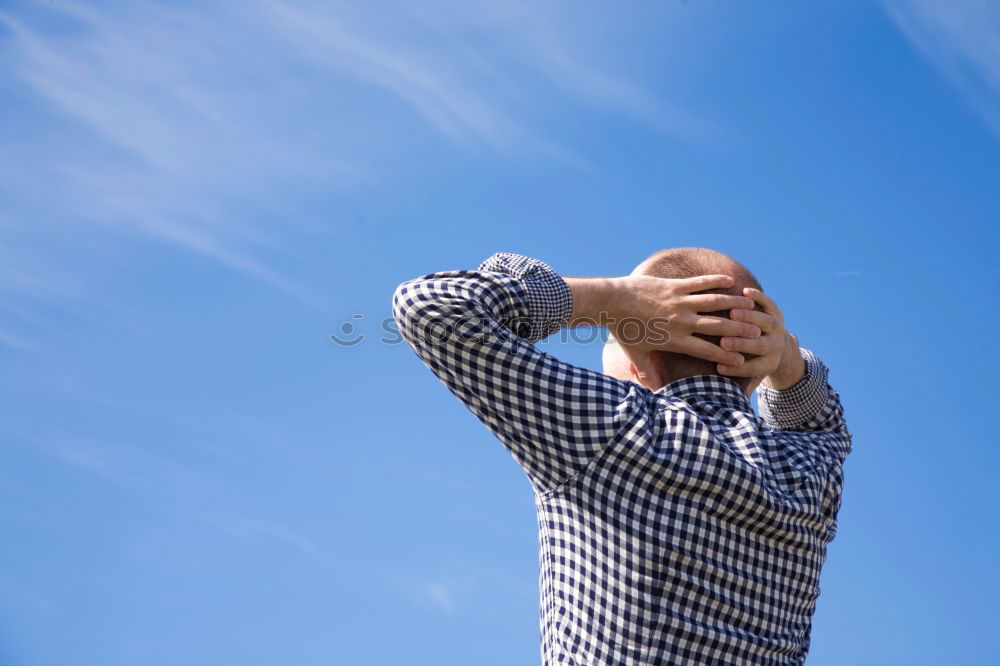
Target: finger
pixel 704 349
pixel 703 282
pixel 707 325
pixel 762 320
pixel 717 302
pixel 758 347
pixel 764 300
pixel 758 367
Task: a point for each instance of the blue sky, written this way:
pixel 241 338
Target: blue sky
pixel 195 195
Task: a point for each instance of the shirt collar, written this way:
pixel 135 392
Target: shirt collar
pixel 706 385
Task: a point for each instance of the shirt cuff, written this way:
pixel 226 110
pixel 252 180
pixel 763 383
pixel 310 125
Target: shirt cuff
pixel 792 407
pixel 547 298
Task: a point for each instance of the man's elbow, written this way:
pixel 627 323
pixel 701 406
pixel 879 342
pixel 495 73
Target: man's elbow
pixel 434 311
pixel 417 309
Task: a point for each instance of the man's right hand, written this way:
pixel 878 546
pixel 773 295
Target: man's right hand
pixel 790 369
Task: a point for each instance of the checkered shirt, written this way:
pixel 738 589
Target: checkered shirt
pixel 675 526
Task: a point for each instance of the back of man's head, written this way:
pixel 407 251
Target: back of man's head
pixel 687 262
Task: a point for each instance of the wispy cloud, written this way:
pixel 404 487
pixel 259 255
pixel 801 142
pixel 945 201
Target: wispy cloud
pixel 439 594
pixel 154 477
pixel 194 125
pixel 442 596
pixel 247 527
pixel 129 466
pixel 962 39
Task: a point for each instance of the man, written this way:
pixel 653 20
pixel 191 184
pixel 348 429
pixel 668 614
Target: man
pixel 676 526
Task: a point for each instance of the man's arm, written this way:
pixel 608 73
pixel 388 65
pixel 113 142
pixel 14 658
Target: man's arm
pixel 795 393
pixel 798 395
pixel 474 330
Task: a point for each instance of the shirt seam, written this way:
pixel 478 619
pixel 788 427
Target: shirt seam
pixel 615 439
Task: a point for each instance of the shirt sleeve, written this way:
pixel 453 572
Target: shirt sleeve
pixel 811 405
pixel 475 329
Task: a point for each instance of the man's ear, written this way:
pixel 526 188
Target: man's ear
pixel 643 371
pixel 615 362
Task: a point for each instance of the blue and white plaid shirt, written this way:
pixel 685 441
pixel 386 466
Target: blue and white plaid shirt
pixel 675 526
